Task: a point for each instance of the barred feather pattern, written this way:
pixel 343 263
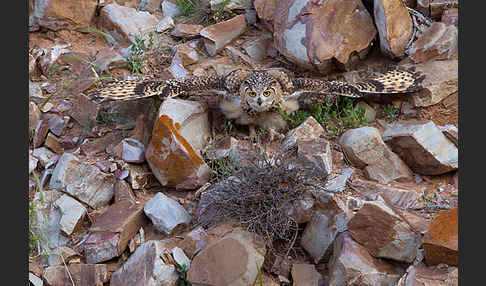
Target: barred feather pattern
pixel 136 89
pixel 395 80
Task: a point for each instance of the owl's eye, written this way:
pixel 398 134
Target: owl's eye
pixel 252 93
pixel 266 93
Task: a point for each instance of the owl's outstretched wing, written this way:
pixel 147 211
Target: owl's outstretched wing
pixel 135 89
pixel 395 80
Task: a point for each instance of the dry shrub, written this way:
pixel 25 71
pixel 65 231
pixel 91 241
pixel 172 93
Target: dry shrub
pixel 258 197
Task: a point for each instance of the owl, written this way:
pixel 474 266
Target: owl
pixel 255 97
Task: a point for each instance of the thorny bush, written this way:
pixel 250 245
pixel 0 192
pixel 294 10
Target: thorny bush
pixel 259 196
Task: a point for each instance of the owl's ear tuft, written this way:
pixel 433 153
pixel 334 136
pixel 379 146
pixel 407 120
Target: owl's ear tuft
pixel 283 76
pixel 235 78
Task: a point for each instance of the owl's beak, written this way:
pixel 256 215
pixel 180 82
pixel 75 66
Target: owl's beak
pixel 259 101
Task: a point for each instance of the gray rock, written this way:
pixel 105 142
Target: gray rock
pixel 370 112
pixel 315 154
pixel 46 157
pixel 84 182
pixel 166 23
pixel 146 267
pixel 34 116
pixel 234 260
pixel 180 257
pixel 56 123
pixel 133 151
pixel 231 5
pixel 257 48
pixel 352 264
pixel 35 93
pixel 328 221
pixel 47 224
pixel 72 212
pixel 194 241
pixel 36 281
pixel 384 233
pixel 170 9
pixel 365 149
pixel 32 163
pixel 422 146
pixel 336 183
pixel 165 213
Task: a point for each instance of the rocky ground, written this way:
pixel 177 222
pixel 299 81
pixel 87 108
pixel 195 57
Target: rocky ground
pixel 363 192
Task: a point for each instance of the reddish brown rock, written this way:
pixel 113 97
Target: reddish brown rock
pixel 422 146
pixel 194 241
pixel 395 26
pixel 81 274
pixel 302 210
pixel 64 14
pixel 34 117
pixel 54 143
pixel 437 7
pixel 383 232
pixel 277 264
pixel 305 274
pixel 179 134
pixel 186 30
pixel 111 232
pixel 440 275
pixel 451 132
pixel 220 34
pixel 441 81
pixel 351 264
pixel 450 17
pixel 399 197
pixel 40 133
pixel 365 148
pixel 266 10
pixel 310 33
pixel 123 191
pixel 307 130
pixel 234 259
pixel 438 42
pixel 441 242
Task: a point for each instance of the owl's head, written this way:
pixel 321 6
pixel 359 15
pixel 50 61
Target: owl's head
pixel 260 91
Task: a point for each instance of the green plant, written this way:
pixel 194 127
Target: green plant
pixel 37 241
pixel 390 112
pixel 106 117
pixel 182 272
pixel 187 7
pixel 136 60
pixel 219 15
pixel 227 126
pixel 260 275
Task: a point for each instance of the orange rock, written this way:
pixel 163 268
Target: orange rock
pixel 172 159
pixel 441 243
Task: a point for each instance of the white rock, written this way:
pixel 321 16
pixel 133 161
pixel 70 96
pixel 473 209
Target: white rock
pixel 166 23
pixel 72 212
pixel 180 257
pixel 36 281
pixel 45 156
pixel 170 9
pixel 165 213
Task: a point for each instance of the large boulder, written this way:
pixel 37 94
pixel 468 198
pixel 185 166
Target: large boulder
pixel 395 26
pixel 179 133
pixel 441 242
pixel 312 33
pixel 64 14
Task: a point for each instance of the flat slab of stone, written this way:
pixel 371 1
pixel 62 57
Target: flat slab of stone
pixel 384 233
pixel 111 232
pixel 351 263
pixel 81 274
pixel 365 149
pixel 422 146
pixel 165 213
pixel 399 197
pixel 441 242
pixel 82 181
pixel 438 42
pixel 72 212
pixel 305 274
pixel 232 260
pixel 218 35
